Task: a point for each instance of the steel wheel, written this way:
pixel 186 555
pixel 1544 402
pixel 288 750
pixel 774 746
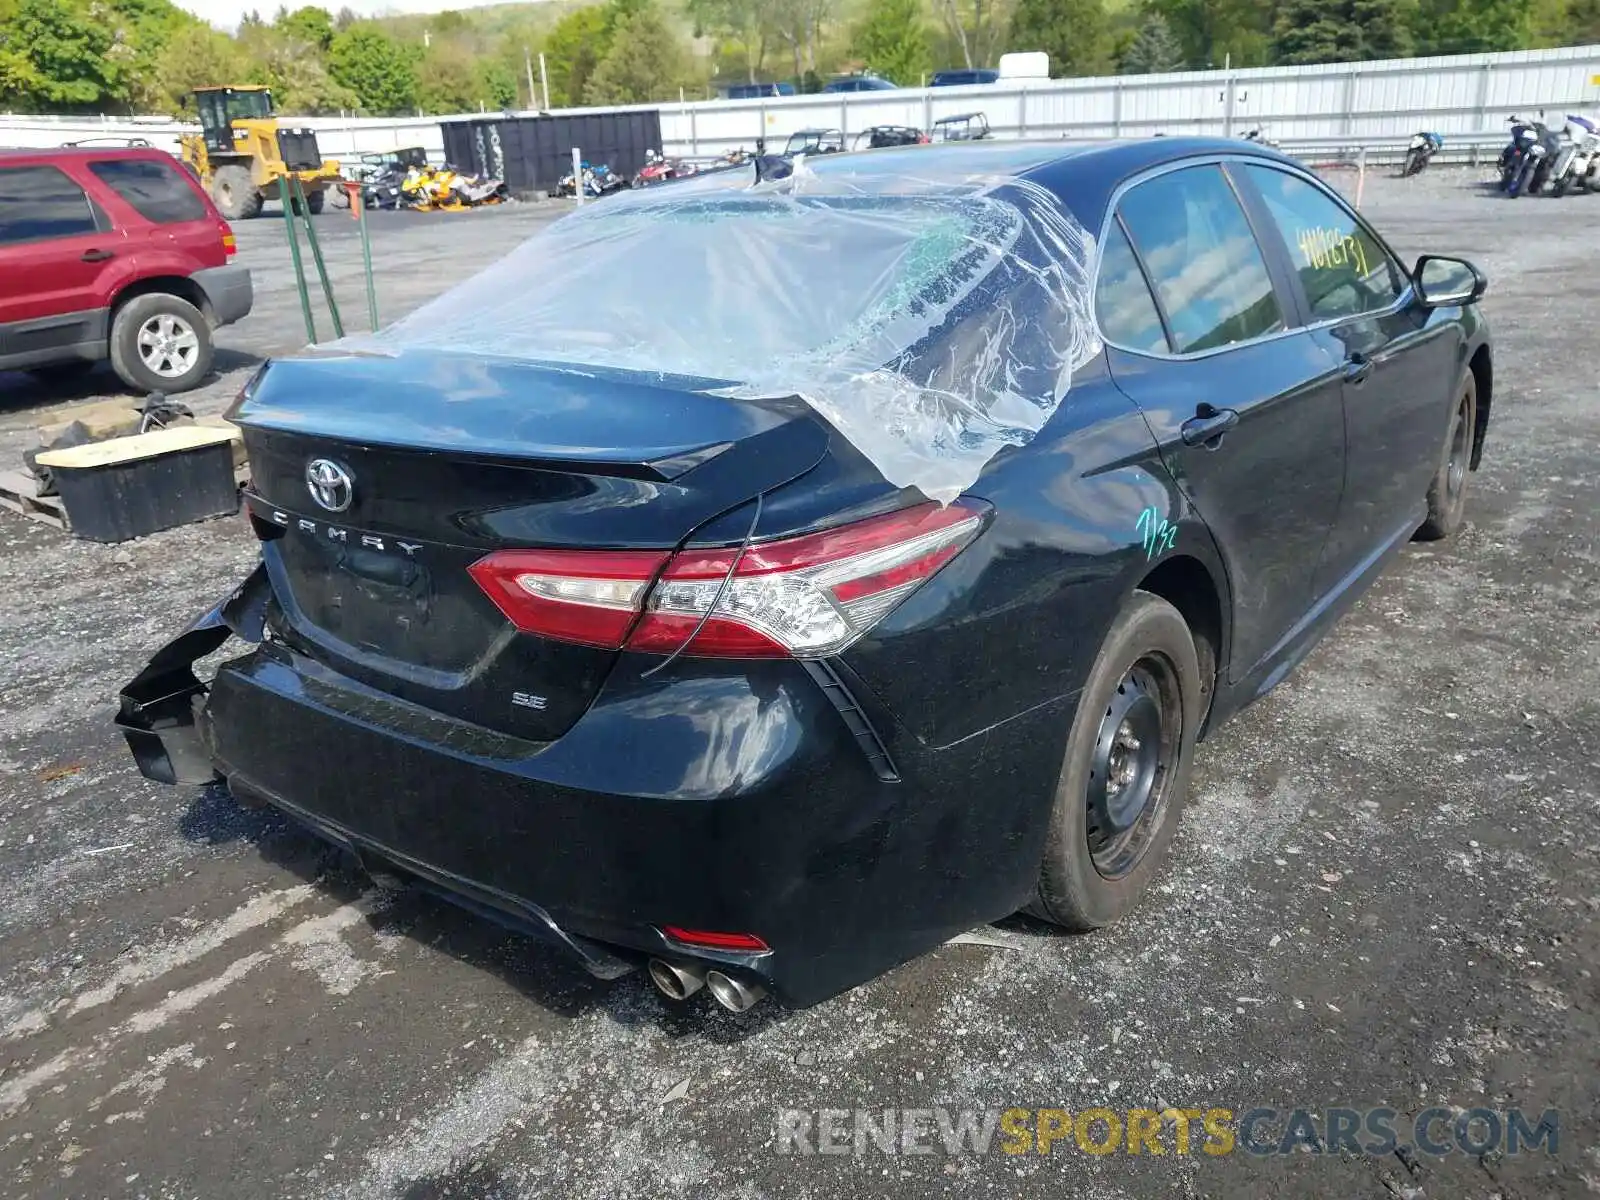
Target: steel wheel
pixel 1447 493
pixel 1130 771
pixel 168 345
pixel 1125 768
pixel 1459 462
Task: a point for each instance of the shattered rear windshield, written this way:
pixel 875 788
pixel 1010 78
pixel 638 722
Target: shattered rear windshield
pixel 733 284
pixel 931 324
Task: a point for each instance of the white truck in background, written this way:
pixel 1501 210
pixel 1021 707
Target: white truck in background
pixel 1024 66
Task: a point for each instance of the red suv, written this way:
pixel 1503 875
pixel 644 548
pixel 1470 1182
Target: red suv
pixel 113 254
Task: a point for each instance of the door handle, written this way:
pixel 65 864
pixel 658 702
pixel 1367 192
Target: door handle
pixel 1356 368
pixel 1207 426
pixel 97 255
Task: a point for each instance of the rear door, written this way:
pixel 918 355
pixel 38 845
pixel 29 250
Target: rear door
pixel 58 252
pixel 1246 409
pixel 164 209
pixel 1399 370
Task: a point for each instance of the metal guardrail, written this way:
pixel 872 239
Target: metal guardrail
pixel 1471 148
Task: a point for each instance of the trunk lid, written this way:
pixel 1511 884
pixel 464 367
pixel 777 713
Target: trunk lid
pixel 433 460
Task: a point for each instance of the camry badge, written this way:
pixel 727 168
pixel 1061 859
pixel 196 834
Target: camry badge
pixel 330 484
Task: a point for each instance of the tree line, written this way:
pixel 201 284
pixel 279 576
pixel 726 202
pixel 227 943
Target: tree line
pixel 126 56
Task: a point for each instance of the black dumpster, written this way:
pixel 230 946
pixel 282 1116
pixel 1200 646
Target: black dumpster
pixel 533 153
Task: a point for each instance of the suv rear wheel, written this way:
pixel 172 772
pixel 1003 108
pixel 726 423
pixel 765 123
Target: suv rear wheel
pixel 160 343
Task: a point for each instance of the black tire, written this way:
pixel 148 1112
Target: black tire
pixel 62 372
pixel 235 193
pixel 1084 882
pixel 1559 187
pixel 1522 181
pixel 316 200
pixel 1414 162
pixel 140 364
pixel 1447 493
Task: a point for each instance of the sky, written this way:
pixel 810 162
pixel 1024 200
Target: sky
pixel 224 14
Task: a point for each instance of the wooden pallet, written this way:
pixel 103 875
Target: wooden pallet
pixel 19 492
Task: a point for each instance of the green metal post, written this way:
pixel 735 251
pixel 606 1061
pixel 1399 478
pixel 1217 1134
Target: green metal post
pixel 366 260
pixel 316 256
pixel 294 253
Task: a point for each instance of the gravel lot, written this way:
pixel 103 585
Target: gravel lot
pixel 1385 890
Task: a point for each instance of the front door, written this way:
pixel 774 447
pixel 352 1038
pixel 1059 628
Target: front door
pixel 1399 371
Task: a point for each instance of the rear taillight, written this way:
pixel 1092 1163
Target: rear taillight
pixel 805 596
pixel 230 244
pixel 801 597
pixel 591 597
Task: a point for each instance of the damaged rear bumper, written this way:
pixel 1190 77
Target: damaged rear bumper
pixel 158 710
pixel 160 715
pixel 714 797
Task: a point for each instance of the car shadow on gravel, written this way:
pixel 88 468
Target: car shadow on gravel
pixel 472 1180
pixel 543 973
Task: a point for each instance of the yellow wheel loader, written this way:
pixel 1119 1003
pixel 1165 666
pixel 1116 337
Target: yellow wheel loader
pixel 240 152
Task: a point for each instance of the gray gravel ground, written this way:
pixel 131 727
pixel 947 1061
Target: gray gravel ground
pixel 1384 893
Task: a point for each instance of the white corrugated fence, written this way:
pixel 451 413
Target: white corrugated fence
pixel 1335 107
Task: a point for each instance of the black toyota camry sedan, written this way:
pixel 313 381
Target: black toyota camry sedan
pixel 861 564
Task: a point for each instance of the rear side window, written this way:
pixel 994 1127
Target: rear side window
pixel 1203 259
pixel 156 190
pixel 1344 271
pixel 1122 300
pixel 38 203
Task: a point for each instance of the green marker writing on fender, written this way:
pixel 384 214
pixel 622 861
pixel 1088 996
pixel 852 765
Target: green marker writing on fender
pixel 1158 535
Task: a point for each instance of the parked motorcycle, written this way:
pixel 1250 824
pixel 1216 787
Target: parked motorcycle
pixel 1420 152
pixel 1580 140
pixel 659 169
pixel 1525 163
pixel 598 180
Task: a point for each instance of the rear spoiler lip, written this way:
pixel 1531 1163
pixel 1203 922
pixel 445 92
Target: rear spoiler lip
pixel 659 470
pixel 293 396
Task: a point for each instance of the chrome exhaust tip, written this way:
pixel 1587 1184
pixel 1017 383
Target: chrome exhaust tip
pixel 733 994
pixel 676 982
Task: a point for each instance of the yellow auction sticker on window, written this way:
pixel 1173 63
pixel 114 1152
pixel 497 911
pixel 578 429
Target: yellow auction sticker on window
pixel 1324 248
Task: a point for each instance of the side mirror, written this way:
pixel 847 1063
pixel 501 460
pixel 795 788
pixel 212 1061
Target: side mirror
pixel 1443 282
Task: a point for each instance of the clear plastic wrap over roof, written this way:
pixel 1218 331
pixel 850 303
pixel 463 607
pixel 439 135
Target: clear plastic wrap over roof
pixel 931 306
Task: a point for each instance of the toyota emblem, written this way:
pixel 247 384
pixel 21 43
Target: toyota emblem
pixel 330 484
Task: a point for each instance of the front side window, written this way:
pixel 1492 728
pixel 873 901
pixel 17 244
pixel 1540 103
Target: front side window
pixel 1343 268
pixel 154 189
pixel 39 203
pixel 1203 259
